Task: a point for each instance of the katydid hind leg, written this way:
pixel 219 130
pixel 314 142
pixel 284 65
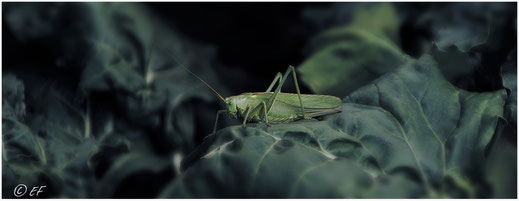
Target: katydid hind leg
pixel 272 99
pixel 277 78
pixel 323 112
pixel 298 92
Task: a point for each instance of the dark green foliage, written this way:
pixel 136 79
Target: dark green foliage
pixel 127 112
pixel 95 104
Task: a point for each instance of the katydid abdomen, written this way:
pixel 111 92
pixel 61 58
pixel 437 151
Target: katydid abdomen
pixel 286 107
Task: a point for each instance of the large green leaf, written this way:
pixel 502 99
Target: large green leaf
pixel 409 130
pixel 447 128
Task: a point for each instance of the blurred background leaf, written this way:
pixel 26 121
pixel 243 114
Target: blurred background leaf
pixel 345 58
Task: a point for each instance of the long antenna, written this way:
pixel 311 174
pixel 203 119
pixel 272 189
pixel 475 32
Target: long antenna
pixel 149 61
pixel 214 91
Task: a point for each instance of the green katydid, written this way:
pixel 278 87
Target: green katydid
pixel 276 107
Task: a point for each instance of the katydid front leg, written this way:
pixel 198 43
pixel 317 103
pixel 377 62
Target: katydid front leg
pixel 261 109
pixel 216 121
pixel 247 111
pixel 265 113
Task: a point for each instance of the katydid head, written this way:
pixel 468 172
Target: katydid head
pixel 236 104
pixel 232 108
